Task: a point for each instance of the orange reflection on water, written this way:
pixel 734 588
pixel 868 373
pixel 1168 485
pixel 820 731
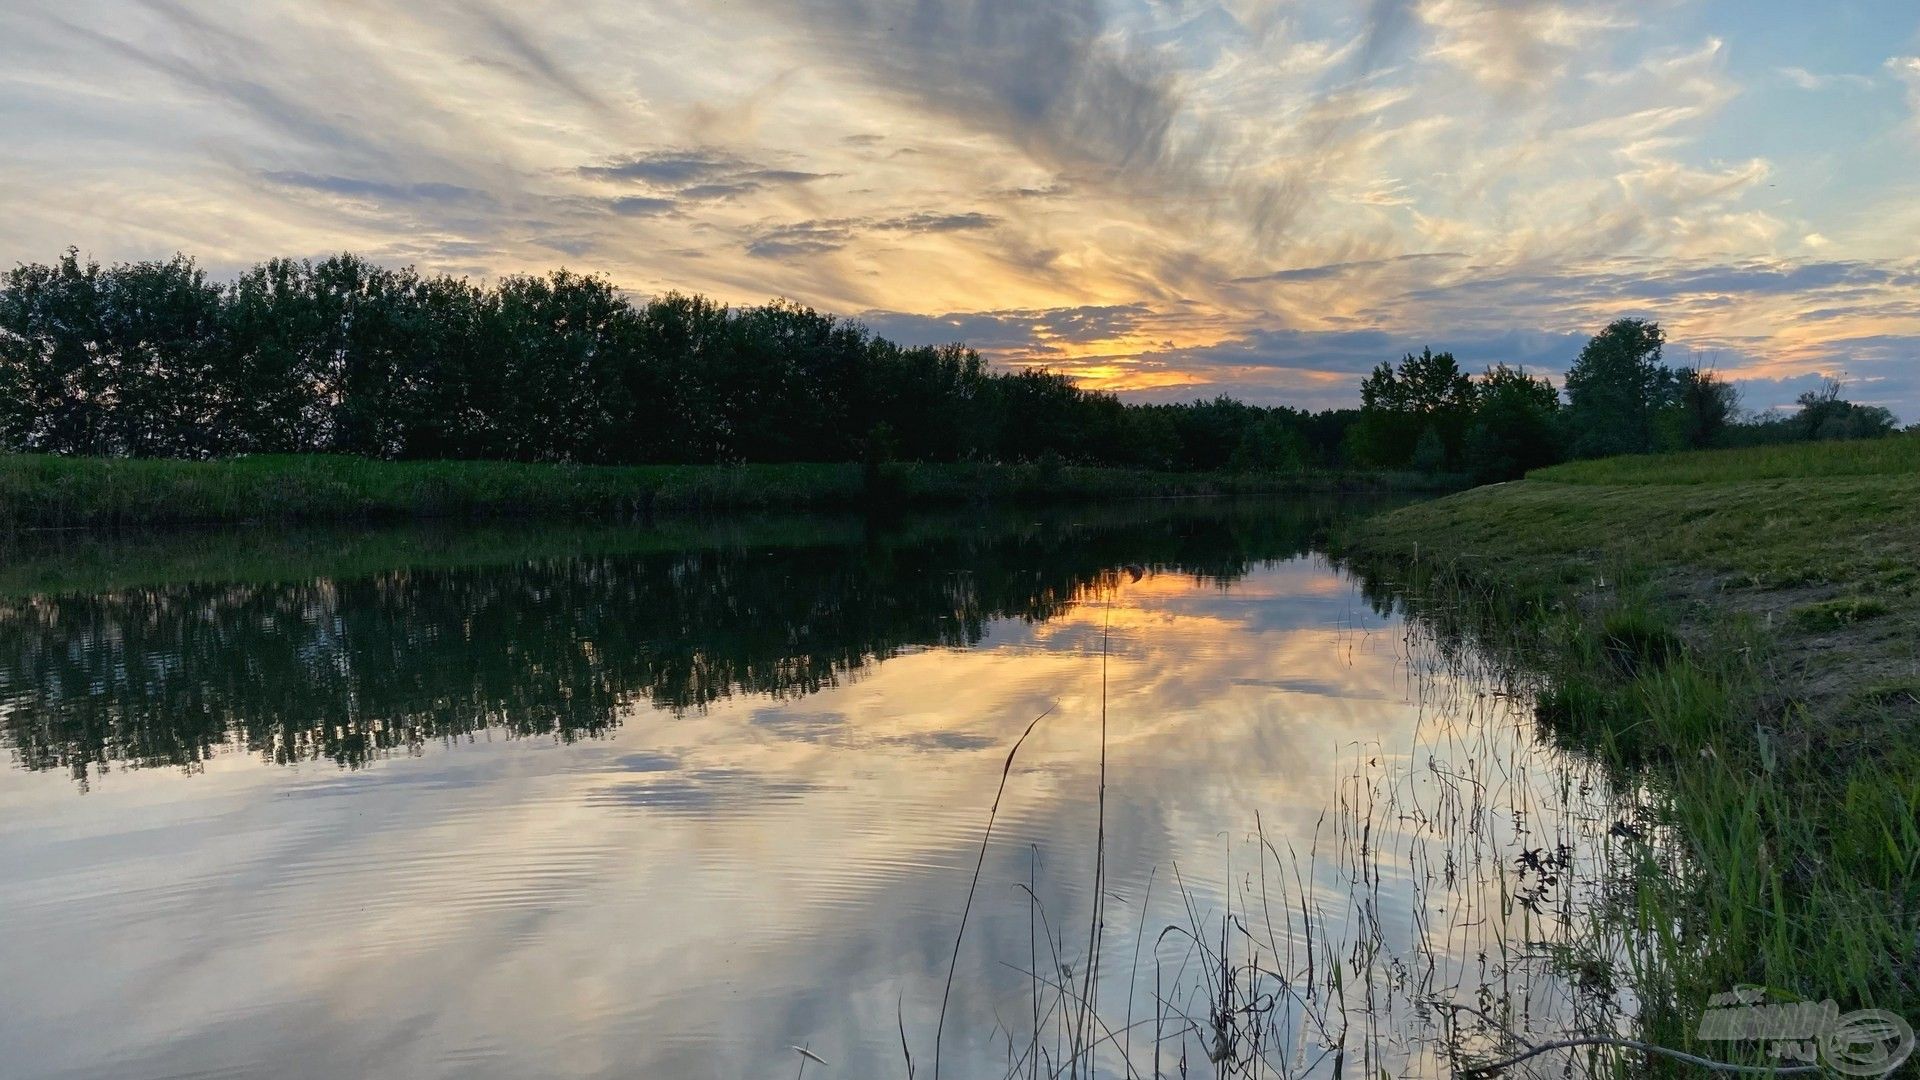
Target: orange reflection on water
pixel 703 887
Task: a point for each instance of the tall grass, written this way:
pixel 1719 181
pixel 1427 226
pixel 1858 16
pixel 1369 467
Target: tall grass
pixel 1786 866
pixel 50 491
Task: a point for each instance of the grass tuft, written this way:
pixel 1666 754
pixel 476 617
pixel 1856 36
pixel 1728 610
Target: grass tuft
pixel 1635 641
pixel 1833 614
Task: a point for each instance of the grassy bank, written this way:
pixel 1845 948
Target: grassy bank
pixel 1734 633
pixel 39 491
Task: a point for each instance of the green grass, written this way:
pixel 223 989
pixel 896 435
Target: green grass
pixel 1828 526
pixel 48 491
pixel 1892 456
pixel 1833 614
pixel 1734 634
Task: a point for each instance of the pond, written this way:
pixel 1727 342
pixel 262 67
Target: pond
pixel 676 800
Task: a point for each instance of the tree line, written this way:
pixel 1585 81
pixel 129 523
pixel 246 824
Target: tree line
pixel 340 355
pixel 154 359
pixel 1427 413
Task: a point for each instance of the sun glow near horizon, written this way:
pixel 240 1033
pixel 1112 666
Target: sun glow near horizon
pixel 1249 197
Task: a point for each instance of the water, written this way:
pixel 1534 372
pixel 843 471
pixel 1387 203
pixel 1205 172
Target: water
pixel 669 802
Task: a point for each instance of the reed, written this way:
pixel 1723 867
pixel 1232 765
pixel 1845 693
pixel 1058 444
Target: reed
pixel 1721 644
pixel 1673 755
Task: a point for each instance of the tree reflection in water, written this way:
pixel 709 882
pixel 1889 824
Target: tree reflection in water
pixel 553 644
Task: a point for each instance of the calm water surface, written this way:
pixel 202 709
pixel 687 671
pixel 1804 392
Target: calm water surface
pixel 671 801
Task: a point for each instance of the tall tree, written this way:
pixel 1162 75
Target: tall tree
pixel 55 396
pixel 1399 405
pixel 1514 426
pixel 1616 387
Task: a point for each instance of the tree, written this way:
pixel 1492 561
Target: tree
pixel 372 340
pixel 1268 443
pixel 280 355
pixel 1398 405
pixel 1616 387
pixel 1703 406
pixel 341 355
pixel 1430 452
pixel 1514 427
pixel 55 396
pixel 1824 414
pixel 564 345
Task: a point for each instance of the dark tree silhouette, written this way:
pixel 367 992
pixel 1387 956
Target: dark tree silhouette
pixel 1616 388
pixel 344 356
pixel 351 669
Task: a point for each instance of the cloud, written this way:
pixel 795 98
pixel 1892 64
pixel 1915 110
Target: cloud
pixel 535 59
pixel 1066 86
pixel 229 84
pixel 1807 80
pixel 679 169
pixel 1883 372
pixel 1011 333
pixel 697 174
pixel 1330 271
pixel 665 168
pixel 1907 70
pixel 378 190
pixel 1511 46
pixel 1152 196
pixel 820 237
pixel 800 238
pixel 1387 21
pixel 1629 280
pixel 1878 369
pixel 641 206
pixel 1307 368
pixel 1327 364
pixel 930 222
pixel 1045 75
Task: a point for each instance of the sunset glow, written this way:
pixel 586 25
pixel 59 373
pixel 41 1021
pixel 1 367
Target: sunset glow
pixel 1262 198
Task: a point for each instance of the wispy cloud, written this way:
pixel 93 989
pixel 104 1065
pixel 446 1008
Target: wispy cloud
pixel 1907 70
pixel 698 174
pixel 377 190
pixel 641 205
pixel 1329 271
pixel 1807 80
pixel 535 59
pixel 1165 199
pixel 819 237
pixel 1026 333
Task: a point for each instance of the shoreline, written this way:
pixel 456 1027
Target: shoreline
pixel 1730 634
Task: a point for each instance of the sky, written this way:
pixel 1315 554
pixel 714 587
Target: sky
pixel 1169 199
